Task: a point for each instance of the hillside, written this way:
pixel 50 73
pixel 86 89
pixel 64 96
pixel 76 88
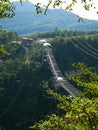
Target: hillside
pixel 26 21
pixel 23 84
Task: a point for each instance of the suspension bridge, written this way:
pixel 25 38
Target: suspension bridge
pixel 58 76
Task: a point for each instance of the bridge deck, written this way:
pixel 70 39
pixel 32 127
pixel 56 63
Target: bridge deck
pixel 60 79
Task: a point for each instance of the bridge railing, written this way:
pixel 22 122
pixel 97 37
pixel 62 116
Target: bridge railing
pixel 60 79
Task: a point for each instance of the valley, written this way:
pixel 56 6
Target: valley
pixel 23 77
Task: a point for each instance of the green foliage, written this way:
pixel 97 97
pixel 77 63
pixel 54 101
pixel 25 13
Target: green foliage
pixel 23 99
pixel 6 9
pixel 38 8
pixel 2 50
pixel 85 77
pixel 59 3
pixel 28 27
pixel 78 113
pixel 6 37
pixel 6 47
pixel 15 50
pixel 70 53
pixel 25 82
pixel 92 35
pixel 35 52
pixel 32 102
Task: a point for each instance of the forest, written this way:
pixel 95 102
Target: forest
pixel 25 24
pixel 27 91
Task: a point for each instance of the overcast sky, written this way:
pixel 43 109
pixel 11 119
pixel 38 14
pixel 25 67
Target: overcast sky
pixel 78 9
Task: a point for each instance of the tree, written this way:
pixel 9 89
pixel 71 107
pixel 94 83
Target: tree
pixel 68 5
pixel 2 50
pixel 79 113
pixel 7 9
pixel 5 38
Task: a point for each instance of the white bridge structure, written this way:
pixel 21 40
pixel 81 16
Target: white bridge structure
pixel 58 76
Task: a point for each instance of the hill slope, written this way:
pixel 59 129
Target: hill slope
pixel 26 20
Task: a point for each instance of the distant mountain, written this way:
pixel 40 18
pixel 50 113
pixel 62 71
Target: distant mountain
pixel 26 20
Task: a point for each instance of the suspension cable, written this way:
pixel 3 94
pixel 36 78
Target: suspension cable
pixel 93 49
pixel 93 53
pixel 83 50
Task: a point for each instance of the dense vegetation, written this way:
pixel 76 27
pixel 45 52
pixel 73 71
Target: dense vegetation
pixel 23 96
pixel 26 21
pixel 66 41
pixel 64 33
pixel 75 113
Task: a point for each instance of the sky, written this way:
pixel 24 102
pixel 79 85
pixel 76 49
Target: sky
pixel 77 9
